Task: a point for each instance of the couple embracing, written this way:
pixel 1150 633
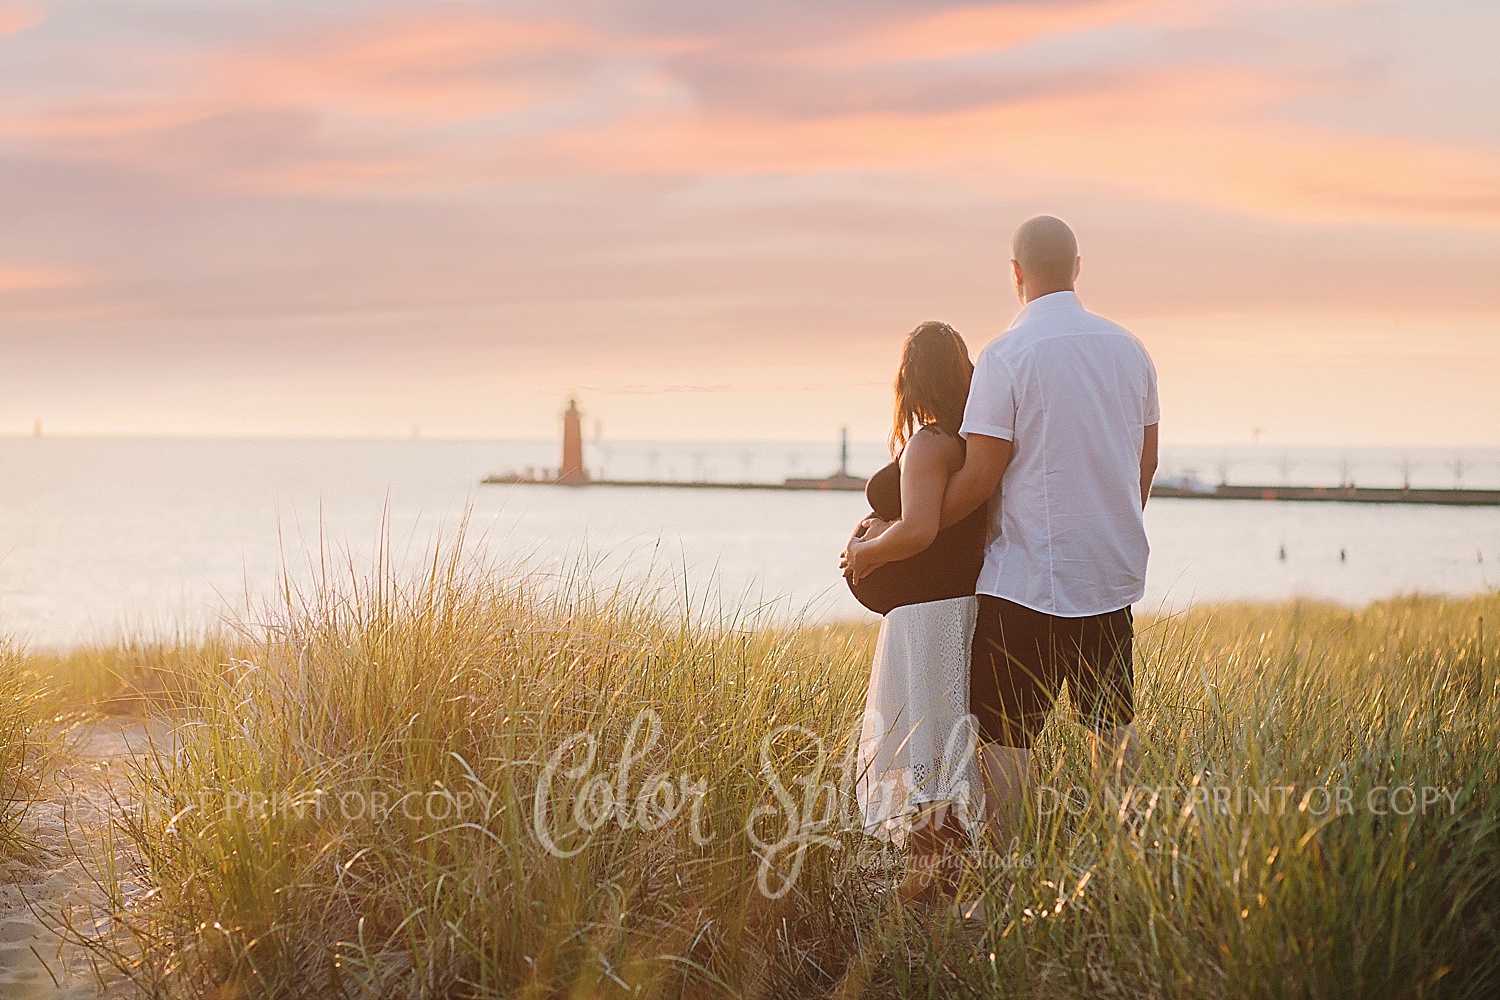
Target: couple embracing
pixel 1006 548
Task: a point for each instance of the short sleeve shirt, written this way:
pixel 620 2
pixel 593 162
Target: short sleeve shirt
pixel 1074 393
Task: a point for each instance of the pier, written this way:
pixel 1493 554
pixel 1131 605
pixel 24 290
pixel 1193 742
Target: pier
pixel 1332 494
pixel 829 484
pixel 1296 494
pixel 572 474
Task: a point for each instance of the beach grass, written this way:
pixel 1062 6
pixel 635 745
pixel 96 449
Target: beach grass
pixel 136 674
pixel 27 740
pixel 473 783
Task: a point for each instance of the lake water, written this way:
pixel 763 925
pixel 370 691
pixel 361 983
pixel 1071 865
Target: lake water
pixel 103 535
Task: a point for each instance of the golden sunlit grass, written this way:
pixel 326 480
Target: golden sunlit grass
pixel 134 676
pixel 25 742
pixel 353 810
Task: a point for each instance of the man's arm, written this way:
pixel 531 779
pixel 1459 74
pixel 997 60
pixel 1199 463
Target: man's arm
pixel 924 476
pixel 977 481
pixel 1148 461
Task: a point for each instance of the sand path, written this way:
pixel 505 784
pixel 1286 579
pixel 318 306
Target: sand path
pixel 35 963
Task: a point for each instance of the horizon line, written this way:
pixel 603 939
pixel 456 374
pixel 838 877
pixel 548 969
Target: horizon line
pixel 831 441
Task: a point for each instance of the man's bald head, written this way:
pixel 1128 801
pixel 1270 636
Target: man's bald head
pixel 1046 257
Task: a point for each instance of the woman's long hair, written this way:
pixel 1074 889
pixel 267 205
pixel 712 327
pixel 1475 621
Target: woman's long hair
pixel 932 384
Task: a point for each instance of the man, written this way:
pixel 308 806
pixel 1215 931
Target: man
pixel 1061 426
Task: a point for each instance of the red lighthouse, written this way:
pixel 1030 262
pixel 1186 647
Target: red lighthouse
pixel 571 472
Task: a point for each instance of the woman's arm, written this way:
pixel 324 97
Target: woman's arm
pixel 925 466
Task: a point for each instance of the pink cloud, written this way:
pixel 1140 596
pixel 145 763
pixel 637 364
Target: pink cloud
pixel 357 105
pixel 1210 135
pixel 18 17
pixel 421 69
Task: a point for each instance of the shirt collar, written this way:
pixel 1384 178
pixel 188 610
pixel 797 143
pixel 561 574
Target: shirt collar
pixel 1049 303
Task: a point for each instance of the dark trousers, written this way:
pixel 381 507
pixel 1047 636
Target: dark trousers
pixel 1021 658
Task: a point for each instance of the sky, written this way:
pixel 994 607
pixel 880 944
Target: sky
pixel 716 220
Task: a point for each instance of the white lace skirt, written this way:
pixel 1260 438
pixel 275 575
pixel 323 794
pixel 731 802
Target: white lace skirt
pixel 916 744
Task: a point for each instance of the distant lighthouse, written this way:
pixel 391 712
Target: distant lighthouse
pixel 571 472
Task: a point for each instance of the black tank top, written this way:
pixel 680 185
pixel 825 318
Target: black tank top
pixel 947 568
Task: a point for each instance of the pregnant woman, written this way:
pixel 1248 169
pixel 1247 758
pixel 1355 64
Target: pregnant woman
pixel 917 772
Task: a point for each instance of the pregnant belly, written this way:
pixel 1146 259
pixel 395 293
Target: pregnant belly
pixel 938 573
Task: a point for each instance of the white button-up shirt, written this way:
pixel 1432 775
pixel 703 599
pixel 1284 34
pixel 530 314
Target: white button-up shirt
pixel 1074 392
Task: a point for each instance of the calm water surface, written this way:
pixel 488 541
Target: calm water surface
pixel 100 535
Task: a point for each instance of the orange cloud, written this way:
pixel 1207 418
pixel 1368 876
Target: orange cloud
pixel 1206 135
pixel 34 277
pixel 18 17
pixel 964 31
